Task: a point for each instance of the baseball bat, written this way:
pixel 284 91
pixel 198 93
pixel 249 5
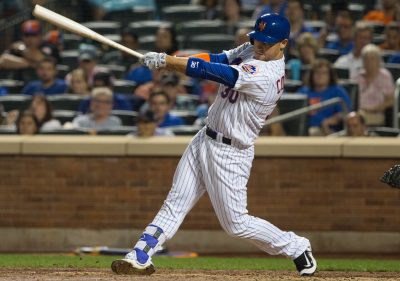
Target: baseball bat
pixel 77 28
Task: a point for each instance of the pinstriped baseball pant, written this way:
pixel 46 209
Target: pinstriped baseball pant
pixel 222 171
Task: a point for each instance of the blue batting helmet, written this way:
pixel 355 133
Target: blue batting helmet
pixel 270 28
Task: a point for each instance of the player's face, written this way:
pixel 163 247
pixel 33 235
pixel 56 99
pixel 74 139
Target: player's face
pixel 267 52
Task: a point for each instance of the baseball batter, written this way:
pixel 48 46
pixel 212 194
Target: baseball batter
pixel 219 158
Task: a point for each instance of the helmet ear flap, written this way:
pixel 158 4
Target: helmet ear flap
pixel 251 41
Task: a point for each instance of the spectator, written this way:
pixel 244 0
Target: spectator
pixel 160 104
pixel 166 41
pixel 100 117
pixel 375 87
pixel 79 84
pixel 28 52
pixel 390 12
pixel 54 38
pixel 43 111
pixel 87 60
pixel 130 40
pixel 241 36
pixel 355 125
pixel 321 85
pixel 211 9
pixel 392 38
pixel 170 83
pixel 48 83
pixel 344 30
pixel 270 6
pixel 104 78
pixel 295 15
pixel 147 126
pixel 352 61
pixel 231 14
pixel 27 123
pixel 307 50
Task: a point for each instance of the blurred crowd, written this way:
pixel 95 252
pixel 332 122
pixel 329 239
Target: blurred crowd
pixel 56 82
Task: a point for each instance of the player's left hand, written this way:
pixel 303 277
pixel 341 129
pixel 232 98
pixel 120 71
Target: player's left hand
pixel 154 60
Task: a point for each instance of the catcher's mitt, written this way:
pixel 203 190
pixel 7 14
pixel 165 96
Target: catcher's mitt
pixel 392 176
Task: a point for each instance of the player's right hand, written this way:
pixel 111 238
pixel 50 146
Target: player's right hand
pixel 153 60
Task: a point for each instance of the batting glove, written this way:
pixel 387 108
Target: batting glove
pixel 154 60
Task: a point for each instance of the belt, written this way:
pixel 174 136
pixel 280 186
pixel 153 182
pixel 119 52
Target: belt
pixel 213 134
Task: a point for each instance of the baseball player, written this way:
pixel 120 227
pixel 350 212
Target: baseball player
pixel 219 158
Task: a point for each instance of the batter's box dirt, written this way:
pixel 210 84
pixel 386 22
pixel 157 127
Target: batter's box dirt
pixel 191 275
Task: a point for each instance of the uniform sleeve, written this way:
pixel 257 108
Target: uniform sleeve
pixel 252 80
pixel 234 53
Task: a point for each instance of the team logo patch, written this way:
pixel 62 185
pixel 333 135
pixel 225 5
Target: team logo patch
pixel 249 68
pixel 262 25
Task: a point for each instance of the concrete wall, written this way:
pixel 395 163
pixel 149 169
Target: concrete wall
pixel 61 192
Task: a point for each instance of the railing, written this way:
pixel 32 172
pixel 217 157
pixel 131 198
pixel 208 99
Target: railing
pixel 396 113
pixel 293 114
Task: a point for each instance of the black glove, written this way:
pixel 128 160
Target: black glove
pixel 392 176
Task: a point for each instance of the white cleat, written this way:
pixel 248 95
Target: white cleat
pixel 132 267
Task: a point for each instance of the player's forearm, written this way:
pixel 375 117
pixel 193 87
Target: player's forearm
pixel 176 64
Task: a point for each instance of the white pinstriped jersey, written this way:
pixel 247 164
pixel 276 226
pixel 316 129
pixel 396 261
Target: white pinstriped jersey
pixel 240 113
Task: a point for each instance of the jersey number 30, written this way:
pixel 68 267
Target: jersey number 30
pixel 232 95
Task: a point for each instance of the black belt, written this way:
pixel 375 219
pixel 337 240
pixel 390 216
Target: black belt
pixel 213 134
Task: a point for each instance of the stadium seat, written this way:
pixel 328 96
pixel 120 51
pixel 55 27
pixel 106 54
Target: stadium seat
pixel 117 70
pixel 147 42
pixel 104 27
pixel 215 43
pixel 316 25
pixel 342 72
pixel 65 102
pixel 394 69
pixel 329 54
pixel 185 130
pixel 289 102
pixel 71 41
pixel 62 71
pixel 148 27
pixel 202 27
pixel 378 39
pixel 124 86
pixel 70 58
pixel 71 131
pixel 64 115
pixel 118 131
pixel 127 117
pixel 187 102
pixel 245 24
pixel 182 13
pixel 291 86
pixel 188 116
pixel 6 130
pixel 125 17
pixel 352 89
pixel 385 131
pixel 11 102
pixel 13 86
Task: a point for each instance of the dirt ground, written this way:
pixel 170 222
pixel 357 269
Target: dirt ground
pixel 191 275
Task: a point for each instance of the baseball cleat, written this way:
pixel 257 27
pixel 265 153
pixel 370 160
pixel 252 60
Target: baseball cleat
pixel 132 267
pixel 305 263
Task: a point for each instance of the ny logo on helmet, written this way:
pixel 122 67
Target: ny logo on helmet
pixel 261 25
